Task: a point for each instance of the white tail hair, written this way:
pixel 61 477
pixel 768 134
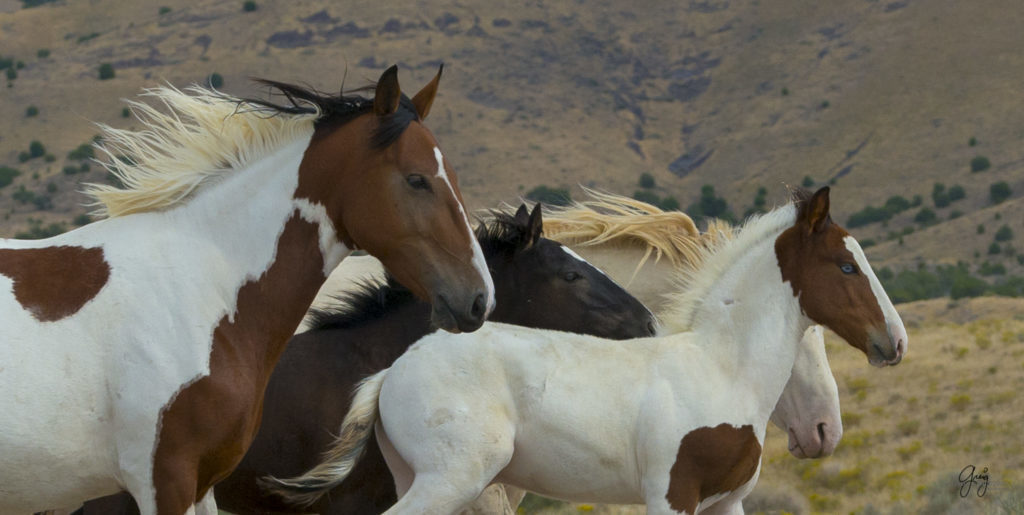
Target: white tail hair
pixel 338 461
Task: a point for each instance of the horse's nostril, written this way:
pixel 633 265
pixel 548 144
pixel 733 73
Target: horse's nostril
pixel 821 432
pixel 479 306
pixel 651 327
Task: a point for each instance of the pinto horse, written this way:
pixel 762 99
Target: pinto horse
pixel 668 421
pixel 538 283
pixel 136 349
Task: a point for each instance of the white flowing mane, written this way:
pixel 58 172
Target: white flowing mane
pixel 694 283
pixel 203 135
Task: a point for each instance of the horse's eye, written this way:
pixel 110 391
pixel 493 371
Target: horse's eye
pixel 418 182
pixel 572 276
pixel 848 268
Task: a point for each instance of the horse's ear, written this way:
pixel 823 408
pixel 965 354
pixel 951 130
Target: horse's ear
pixel 522 217
pixel 536 225
pixel 385 100
pixel 816 213
pixel 425 98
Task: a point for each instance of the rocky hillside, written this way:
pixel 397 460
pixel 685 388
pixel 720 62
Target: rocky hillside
pixel 878 98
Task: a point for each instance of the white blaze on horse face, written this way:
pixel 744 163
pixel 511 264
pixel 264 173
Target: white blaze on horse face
pixel 478 254
pixel 577 256
pixel 893 322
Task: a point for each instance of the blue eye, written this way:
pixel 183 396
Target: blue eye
pixel 848 268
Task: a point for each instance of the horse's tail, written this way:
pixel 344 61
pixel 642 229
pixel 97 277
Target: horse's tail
pixel 338 461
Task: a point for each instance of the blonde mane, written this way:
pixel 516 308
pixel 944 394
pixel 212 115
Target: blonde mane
pixel 607 219
pixel 204 134
pixel 715 260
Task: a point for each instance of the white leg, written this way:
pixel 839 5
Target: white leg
pixel 207 505
pixel 493 500
pixel 515 496
pixel 435 494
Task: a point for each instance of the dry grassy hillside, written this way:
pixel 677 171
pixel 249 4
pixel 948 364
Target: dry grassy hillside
pixel 880 98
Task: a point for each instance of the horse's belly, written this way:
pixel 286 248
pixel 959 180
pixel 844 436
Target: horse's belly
pixel 56 447
pixel 571 478
pixel 52 459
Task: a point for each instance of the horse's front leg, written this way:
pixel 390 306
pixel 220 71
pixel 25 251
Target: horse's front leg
pixel 207 505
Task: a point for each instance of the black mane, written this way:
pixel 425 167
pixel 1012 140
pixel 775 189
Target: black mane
pixel 372 300
pixel 337 110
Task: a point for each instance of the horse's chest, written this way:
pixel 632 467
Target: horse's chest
pixel 712 461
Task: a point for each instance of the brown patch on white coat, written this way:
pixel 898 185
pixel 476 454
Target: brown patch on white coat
pixel 55 282
pixel 712 461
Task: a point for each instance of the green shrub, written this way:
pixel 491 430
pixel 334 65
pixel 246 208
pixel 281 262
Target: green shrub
pixel 51 187
pixel 956 192
pixel 31 111
pixel 22 195
pixel 164 10
pixel 916 201
pixel 994 249
pixel 11 73
pixel 249 6
pixel 785 91
pixel 980 164
pixel 43 53
pixel 36 230
pixel 35 3
pixel 43 202
pixel 967 286
pixel 125 112
pixel 896 204
pixel 646 180
pixel 106 71
pixel 956 213
pixel 710 205
pixel 999 192
pixel 939 195
pixel 981 229
pixel 549 195
pixel 926 216
pixel 36 149
pixel 82 152
pixel 1004 233
pixel 868 215
pixel 986 269
pixel 972 142
pixel 82 219
pixel 215 80
pixel 7 175
pixel 669 203
pixel 807 182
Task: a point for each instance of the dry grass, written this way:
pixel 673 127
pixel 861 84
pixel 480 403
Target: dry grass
pixel 910 430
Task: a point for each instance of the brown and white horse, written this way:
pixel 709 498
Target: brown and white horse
pixel 676 422
pixel 134 351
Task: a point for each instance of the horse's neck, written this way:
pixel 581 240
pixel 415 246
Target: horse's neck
pixel 752 323
pixel 236 232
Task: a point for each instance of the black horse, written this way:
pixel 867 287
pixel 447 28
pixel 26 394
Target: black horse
pixel 538 283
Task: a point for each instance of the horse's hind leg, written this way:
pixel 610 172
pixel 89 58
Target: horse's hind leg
pixel 438 494
pixel 447 486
